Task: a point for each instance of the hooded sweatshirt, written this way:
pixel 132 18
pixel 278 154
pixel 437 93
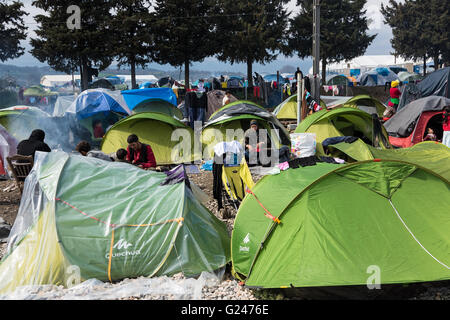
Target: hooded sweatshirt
pixel 34 143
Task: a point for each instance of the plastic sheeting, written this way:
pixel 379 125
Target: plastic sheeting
pixel 86 218
pixel 162 288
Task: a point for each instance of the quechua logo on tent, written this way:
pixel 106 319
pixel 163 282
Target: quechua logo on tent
pixel 121 247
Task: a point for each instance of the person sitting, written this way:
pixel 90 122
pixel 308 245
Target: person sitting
pixel 227 98
pixel 98 129
pixel 430 135
pixel 255 141
pixel 140 154
pixel 84 148
pixel 34 143
pixel 121 155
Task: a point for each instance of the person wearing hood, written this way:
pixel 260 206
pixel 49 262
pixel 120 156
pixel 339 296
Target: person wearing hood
pixel 34 143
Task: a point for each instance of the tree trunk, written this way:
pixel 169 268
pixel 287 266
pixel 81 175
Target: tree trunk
pixel 424 65
pixel 436 62
pixel 186 75
pixel 324 71
pixel 250 74
pixel 84 74
pixel 133 74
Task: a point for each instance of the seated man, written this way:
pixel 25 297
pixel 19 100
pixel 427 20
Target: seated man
pixel 85 149
pixel 140 154
pixel 256 141
pixel 34 143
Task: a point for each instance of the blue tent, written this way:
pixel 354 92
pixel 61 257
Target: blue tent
pixel 377 77
pixel 135 97
pixel 147 84
pixel 273 77
pixel 93 101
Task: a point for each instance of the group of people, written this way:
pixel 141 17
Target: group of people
pixel 137 153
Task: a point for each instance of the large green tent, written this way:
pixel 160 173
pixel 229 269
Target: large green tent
pixel 287 110
pixel 85 217
pixel 231 121
pixel 171 140
pixel 338 223
pixel 345 121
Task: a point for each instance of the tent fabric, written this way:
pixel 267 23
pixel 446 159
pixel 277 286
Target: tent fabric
pixel 377 77
pixel 287 110
pixel 159 130
pixel 338 79
pixel 434 84
pixel 343 121
pixel 62 104
pixel 363 102
pixel 38 91
pixel 8 148
pixel 402 124
pixel 385 213
pixel 135 97
pixel 20 121
pixel 236 116
pixel 109 221
pixel 93 101
pixel 215 100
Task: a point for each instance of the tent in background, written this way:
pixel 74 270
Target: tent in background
pixel 98 104
pixel 161 100
pixel 377 77
pixel 363 102
pixel 8 148
pixel 109 221
pixel 434 84
pixel 215 100
pixel 345 122
pixel 408 126
pixel 237 116
pixel 287 110
pixel 158 131
pixel 20 121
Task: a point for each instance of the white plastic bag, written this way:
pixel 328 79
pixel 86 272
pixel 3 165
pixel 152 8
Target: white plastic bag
pixel 303 144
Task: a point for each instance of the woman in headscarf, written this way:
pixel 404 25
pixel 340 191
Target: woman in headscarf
pixel 34 143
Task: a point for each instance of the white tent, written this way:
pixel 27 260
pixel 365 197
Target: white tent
pixel 58 80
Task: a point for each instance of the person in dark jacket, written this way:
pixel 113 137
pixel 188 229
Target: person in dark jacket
pixel 140 154
pixel 34 143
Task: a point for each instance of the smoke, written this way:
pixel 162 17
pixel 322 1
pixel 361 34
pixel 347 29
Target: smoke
pixel 61 133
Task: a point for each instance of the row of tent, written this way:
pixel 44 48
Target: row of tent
pixel 385 207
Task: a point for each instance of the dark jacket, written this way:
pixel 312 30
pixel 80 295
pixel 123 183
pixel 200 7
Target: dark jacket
pixel 34 143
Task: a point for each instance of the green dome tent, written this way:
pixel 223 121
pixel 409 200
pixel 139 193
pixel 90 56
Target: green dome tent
pixel 345 121
pixel 287 110
pixel 109 221
pixel 159 105
pixel 363 102
pixel 235 118
pixel 157 130
pixel 20 121
pixel 337 221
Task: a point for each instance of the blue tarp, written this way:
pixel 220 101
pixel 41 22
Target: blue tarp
pixel 273 77
pixel 93 101
pixel 377 77
pixel 135 97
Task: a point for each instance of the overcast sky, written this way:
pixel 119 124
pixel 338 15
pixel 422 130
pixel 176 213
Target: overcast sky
pixel 381 45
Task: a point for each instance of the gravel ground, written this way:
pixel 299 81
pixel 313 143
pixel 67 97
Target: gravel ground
pixel 206 287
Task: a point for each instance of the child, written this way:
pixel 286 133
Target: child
pixel 121 155
pixel 430 136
